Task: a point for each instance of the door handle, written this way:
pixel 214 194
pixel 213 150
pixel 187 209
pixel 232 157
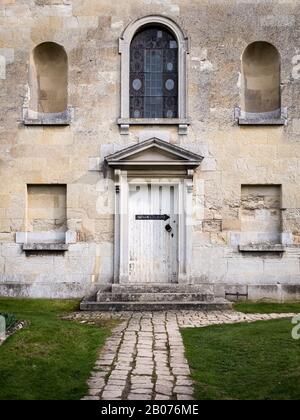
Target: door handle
pixel 168 228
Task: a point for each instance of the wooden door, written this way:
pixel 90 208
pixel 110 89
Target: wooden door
pixel 153 233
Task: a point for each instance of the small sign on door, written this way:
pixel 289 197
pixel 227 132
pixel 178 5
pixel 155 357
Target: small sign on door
pixel 164 217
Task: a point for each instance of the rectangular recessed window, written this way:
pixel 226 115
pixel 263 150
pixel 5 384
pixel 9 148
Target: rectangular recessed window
pixel 261 214
pixel 47 209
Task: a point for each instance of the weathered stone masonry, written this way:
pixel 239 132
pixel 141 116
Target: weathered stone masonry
pixel 56 193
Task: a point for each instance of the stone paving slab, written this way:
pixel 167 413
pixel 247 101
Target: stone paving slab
pixel 144 359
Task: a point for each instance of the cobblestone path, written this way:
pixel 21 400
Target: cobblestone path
pixel 144 358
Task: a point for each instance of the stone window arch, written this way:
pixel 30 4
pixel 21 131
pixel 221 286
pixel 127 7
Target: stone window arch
pixel 165 33
pixel 48 86
pixel 261 90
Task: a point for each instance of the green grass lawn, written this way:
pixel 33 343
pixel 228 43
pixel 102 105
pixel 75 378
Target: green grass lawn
pixel 258 361
pixel 51 358
pixel 267 307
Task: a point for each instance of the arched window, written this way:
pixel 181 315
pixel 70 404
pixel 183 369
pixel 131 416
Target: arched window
pixel 49 79
pixel 261 81
pixel 153 74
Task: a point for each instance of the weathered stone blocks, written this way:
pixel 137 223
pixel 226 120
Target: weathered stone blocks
pixel 224 216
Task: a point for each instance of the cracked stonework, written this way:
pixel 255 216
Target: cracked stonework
pixel 144 359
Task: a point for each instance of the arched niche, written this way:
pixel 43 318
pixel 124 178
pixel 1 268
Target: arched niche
pixel 48 86
pixel 49 78
pixel 261 95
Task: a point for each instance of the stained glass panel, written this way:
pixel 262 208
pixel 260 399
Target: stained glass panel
pixel 153 74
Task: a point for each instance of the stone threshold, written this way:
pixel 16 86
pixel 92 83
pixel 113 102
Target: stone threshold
pixel 216 305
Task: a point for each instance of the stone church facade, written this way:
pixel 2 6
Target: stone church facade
pixel 150 142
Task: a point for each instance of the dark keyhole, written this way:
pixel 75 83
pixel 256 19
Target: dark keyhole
pixel 168 228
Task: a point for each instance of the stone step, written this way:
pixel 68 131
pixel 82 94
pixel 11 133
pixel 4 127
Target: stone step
pixel 216 305
pixel 154 297
pixel 163 288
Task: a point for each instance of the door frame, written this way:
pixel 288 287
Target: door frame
pixel 185 230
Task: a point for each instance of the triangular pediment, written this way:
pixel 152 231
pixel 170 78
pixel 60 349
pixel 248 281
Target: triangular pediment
pixel 154 152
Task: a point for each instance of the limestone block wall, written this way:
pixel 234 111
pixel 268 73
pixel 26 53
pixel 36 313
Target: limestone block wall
pixel 46 208
pixel 73 155
pixel 261 214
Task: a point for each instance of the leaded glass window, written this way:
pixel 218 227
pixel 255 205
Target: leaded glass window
pixel 154 74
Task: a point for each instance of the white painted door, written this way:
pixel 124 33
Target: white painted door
pixel 153 233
